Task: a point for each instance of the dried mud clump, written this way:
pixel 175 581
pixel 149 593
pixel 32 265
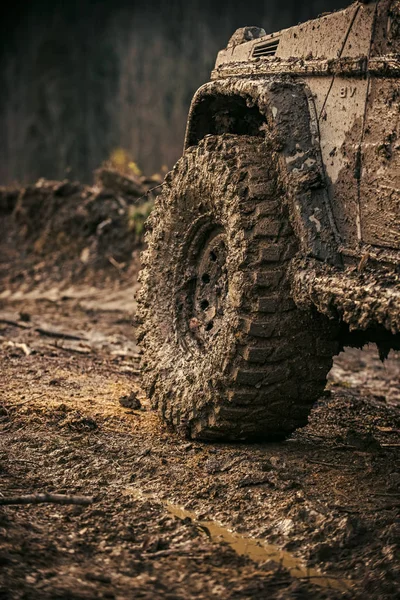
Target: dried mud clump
pixel 70 230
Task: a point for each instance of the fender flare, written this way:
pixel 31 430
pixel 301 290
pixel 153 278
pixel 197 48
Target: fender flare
pixel 289 120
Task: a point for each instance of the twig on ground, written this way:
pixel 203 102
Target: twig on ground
pixel 390 445
pixel 10 321
pixel 149 192
pixel 25 349
pixel 55 333
pixel 44 498
pixel 83 350
pixel 116 264
pixel 31 399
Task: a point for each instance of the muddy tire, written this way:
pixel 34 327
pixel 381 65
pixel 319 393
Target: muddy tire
pixel 226 353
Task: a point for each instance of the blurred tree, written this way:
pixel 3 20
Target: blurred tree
pixel 80 79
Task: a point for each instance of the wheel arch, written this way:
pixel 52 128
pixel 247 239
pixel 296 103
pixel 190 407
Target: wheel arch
pixel 282 110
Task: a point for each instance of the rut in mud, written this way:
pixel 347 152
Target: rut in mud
pixel 327 497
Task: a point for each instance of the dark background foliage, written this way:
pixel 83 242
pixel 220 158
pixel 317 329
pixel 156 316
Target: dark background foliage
pixel 81 78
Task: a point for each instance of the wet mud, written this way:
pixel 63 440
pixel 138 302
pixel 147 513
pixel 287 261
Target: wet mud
pixel 312 517
pixel 256 549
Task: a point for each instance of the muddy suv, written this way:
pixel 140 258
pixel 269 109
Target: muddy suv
pixel 276 239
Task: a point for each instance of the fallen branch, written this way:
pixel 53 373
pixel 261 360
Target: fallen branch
pixel 44 498
pixel 9 319
pixel 57 333
pixel 83 350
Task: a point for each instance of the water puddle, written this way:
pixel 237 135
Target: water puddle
pixel 256 549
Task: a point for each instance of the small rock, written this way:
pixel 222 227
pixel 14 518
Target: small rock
pixel 85 255
pixel 131 401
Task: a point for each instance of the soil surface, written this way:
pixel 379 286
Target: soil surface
pixel 313 517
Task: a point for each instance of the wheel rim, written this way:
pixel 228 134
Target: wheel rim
pixel 205 297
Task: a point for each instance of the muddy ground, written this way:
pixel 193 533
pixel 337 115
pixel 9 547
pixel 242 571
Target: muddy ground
pixel 313 517
pixel 326 499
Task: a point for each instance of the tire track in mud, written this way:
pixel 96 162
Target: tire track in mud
pixel 328 496
pixel 256 549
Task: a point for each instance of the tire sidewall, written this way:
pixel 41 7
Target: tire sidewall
pixel 203 193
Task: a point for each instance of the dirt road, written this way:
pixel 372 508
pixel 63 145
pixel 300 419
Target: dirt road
pixel 313 517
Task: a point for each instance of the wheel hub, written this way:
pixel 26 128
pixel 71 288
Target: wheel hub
pixel 210 289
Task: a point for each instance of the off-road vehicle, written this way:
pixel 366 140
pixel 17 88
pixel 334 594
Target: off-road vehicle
pixel 276 238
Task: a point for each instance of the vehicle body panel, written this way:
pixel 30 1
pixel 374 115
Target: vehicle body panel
pixel 350 64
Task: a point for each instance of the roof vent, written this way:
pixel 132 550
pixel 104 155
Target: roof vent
pixel 266 48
